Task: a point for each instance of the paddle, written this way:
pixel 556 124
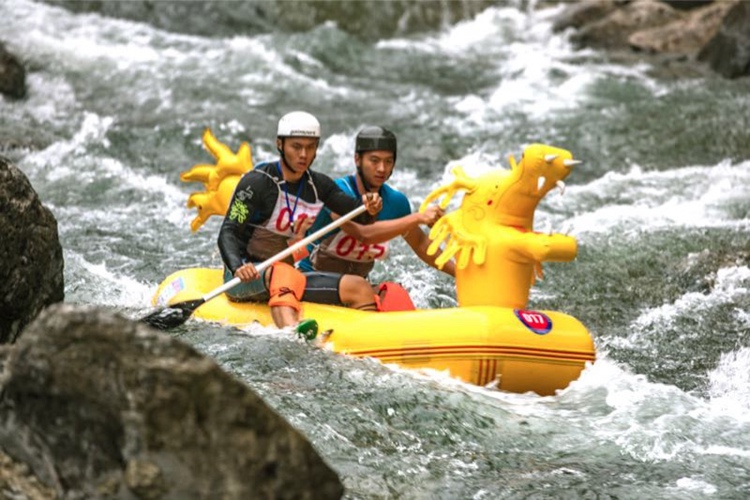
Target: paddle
pixel 176 314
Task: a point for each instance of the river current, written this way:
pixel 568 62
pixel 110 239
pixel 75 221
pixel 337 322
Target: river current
pixel 661 210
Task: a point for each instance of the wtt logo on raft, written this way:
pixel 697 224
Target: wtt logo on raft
pixel 535 321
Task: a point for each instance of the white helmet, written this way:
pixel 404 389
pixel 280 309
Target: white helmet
pixel 298 124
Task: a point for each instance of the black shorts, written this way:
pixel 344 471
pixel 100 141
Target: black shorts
pixel 322 288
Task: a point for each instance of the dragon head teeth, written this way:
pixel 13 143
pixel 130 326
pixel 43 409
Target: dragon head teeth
pixel 561 185
pixel 571 163
pixel 540 183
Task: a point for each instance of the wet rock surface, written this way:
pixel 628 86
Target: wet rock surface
pixel 12 75
pixel 675 36
pixel 95 405
pixel 31 258
pixel 728 53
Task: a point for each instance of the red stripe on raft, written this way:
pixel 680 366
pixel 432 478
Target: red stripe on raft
pixel 482 372
pixel 487 371
pixel 485 352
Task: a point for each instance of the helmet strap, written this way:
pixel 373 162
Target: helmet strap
pixel 283 156
pixel 361 174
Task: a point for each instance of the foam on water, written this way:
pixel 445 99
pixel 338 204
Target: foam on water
pixel 694 484
pixel 731 284
pixel 729 385
pixel 91 38
pixel 654 422
pixel 72 160
pixel 650 422
pixel 653 328
pixel 340 146
pixel 611 408
pixel 528 59
pixel 93 130
pixel 537 70
pixel 38 107
pixel 468 35
pixel 689 197
pixel 102 285
pixel 125 54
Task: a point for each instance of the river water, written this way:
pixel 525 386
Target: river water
pixel 661 209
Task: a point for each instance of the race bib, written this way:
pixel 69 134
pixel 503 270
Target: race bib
pixel 345 246
pixel 280 221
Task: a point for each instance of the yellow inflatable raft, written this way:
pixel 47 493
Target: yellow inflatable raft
pixel 492 338
pixel 516 350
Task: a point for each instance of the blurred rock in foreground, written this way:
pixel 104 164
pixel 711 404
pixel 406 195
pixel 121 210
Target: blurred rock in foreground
pixel 99 406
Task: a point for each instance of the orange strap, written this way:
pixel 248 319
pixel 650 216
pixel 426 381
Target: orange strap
pixel 392 297
pixel 300 253
pixel 286 286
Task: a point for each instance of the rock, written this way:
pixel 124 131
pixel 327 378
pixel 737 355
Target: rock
pixel 579 14
pixel 12 75
pixel 728 52
pixel 687 4
pixel 685 36
pixel 678 33
pixel 393 18
pixel 17 481
pixel 101 406
pixel 613 31
pixel 31 259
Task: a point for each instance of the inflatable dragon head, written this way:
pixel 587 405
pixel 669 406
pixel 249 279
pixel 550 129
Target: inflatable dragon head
pixel 499 198
pixel 509 197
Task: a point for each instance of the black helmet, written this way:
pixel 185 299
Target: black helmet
pixel 374 138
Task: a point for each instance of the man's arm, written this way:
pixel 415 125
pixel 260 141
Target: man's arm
pixel 386 230
pixel 336 200
pixel 235 229
pixel 419 241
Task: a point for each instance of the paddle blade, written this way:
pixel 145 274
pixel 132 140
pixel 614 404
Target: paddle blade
pixel 172 316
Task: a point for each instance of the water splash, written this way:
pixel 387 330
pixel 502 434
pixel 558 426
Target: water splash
pixel 729 384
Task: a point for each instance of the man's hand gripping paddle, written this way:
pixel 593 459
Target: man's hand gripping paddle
pixel 177 314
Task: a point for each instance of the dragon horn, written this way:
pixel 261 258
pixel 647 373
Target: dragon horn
pixel 462 181
pixel 512 161
pixel 216 148
pixel 198 173
pixel 245 156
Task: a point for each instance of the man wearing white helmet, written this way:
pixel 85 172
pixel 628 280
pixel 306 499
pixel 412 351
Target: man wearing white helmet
pixel 273 205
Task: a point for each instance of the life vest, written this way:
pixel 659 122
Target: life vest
pixel 272 235
pixel 343 253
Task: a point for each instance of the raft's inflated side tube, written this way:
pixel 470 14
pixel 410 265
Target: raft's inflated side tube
pixel 513 350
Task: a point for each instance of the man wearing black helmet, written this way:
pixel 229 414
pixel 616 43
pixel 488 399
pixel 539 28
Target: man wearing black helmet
pixel 355 251
pixel 274 204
